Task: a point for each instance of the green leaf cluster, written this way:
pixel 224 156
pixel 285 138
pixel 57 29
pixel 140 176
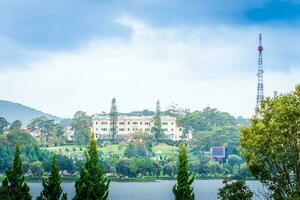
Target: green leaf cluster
pixel 271 144
pixel 235 190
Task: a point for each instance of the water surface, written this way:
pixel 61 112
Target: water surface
pixel 159 190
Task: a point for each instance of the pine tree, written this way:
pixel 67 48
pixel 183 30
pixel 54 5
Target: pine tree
pixel 92 184
pixel 113 118
pixel 52 189
pixel 183 190
pixel 157 129
pixel 14 186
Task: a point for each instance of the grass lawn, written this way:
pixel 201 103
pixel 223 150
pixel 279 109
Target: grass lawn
pixel 166 150
pixel 77 151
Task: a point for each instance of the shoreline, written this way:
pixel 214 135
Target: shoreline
pixel 117 179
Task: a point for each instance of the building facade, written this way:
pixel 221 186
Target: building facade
pixel 127 125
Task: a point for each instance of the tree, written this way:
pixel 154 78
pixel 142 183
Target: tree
pixel 81 126
pixel 92 184
pixel 235 190
pixel 52 189
pixel 126 167
pixel 51 132
pixel 206 120
pixel 234 160
pixel 227 136
pixel 14 186
pixel 3 124
pixel 270 145
pixel 137 148
pixel 113 119
pixel 183 190
pixel 157 129
pixel 16 125
pixel 36 168
pixel 169 169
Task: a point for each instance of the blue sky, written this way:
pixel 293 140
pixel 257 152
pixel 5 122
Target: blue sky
pixel 195 39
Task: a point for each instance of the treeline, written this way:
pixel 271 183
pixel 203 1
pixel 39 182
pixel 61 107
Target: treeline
pixel 209 127
pixel 35 160
pixel 92 184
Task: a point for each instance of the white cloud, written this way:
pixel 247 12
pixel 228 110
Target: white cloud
pixel 194 67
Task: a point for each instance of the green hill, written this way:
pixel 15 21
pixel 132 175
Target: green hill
pixel 13 111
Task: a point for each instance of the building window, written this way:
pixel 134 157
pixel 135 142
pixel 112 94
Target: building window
pixel 128 129
pixel 172 129
pixel 102 123
pixel 165 123
pixel 165 129
pixel 172 123
pixel 128 123
pixel 141 123
pixel 96 123
pixel 121 123
pixel 121 129
pixel 135 123
pixel 147 123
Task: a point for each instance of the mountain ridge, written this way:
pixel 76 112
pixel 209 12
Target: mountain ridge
pixel 13 111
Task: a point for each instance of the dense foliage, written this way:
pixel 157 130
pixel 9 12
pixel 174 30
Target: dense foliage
pixel 270 145
pixel 235 190
pixel 35 160
pixel 92 184
pixel 13 186
pixel 51 185
pixel 206 120
pixel 183 190
pixel 52 133
pixel 3 124
pixel 81 127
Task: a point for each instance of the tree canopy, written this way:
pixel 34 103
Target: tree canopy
pixel 270 145
pixel 81 126
pixel 235 190
pixel 13 186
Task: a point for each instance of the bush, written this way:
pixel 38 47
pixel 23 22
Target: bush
pixel 235 190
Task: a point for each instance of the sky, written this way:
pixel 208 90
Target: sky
pixel 61 56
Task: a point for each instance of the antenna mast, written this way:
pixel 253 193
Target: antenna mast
pixel 260 84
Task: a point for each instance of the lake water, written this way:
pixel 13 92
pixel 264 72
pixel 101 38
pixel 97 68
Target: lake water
pixel 160 190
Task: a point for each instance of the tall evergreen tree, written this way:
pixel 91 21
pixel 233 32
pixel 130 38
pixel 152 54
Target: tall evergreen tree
pixel 113 119
pixel 92 184
pixel 52 189
pixel 157 129
pixel 183 190
pixel 14 186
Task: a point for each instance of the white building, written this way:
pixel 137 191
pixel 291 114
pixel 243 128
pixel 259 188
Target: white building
pixel 131 124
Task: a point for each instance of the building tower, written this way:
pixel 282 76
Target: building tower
pixel 260 84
